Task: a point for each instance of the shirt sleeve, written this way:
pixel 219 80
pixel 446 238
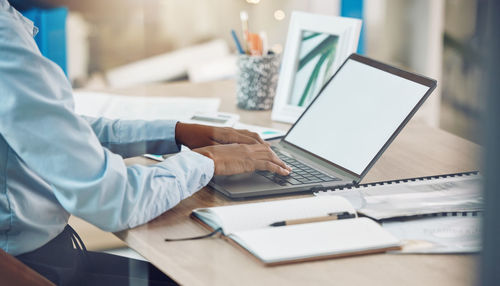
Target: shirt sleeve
pixel 131 138
pixel 88 180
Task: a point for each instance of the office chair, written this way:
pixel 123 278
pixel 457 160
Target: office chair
pixel 14 272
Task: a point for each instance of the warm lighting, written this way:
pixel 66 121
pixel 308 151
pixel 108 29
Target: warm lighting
pixel 253 1
pixel 277 48
pixel 279 15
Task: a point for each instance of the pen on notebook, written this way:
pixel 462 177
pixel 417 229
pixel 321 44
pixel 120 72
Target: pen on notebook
pixel 237 42
pixel 331 216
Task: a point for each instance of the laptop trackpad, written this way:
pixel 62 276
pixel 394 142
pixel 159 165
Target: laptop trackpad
pixel 245 182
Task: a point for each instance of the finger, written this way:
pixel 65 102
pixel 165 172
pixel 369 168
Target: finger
pixel 275 159
pixel 271 167
pixel 267 154
pixel 213 142
pixel 233 136
pixel 256 136
pixel 245 139
pixel 253 135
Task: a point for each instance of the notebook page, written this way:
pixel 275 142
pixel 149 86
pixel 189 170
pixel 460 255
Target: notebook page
pixel 259 215
pixel 301 241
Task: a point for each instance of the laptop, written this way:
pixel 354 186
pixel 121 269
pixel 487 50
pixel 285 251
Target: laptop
pixel 341 134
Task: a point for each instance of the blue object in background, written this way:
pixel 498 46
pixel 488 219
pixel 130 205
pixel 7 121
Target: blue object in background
pixel 354 9
pixel 51 37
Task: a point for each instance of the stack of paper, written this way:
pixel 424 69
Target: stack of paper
pixel 460 234
pixel 401 205
pixel 96 104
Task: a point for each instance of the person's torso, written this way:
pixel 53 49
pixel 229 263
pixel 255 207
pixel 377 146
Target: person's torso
pixel 30 214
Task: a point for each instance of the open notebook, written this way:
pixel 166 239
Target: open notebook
pixel 248 225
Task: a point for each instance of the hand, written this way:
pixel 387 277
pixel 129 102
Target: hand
pixel 196 135
pixel 241 158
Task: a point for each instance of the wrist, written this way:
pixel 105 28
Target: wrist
pixel 180 131
pixel 204 152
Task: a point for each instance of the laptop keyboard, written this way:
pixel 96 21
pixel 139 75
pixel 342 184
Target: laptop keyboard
pixel 301 173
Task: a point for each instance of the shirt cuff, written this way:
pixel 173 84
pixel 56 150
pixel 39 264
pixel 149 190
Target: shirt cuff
pixel 166 132
pixel 153 137
pixel 192 170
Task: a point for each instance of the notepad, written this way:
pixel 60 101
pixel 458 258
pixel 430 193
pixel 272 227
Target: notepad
pixel 248 226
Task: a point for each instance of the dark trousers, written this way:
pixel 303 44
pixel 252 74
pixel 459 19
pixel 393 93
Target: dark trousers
pixel 62 264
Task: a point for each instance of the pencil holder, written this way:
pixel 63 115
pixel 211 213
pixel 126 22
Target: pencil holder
pixel 256 81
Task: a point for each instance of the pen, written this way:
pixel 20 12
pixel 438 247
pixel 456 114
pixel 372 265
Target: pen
pixel 244 28
pixel 265 45
pixel 254 45
pixel 237 42
pixel 330 216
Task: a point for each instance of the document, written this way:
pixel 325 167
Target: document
pixel 415 196
pixel 458 195
pixel 113 106
pixel 453 234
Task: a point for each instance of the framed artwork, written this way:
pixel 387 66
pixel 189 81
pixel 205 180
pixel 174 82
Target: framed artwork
pixel 315 48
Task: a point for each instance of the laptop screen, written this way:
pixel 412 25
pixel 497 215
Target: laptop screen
pixel 355 115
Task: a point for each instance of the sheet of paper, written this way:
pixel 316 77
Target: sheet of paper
pixel 453 194
pixel 139 107
pixel 354 196
pixel 438 234
pixel 315 239
pixel 264 132
pixel 92 104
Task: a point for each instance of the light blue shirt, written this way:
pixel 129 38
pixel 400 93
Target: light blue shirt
pixel 54 163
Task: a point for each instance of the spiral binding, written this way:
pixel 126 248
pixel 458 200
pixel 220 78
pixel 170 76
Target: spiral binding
pixel 382 183
pixel 354 185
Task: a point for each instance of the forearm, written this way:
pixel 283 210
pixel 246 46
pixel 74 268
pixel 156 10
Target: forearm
pixel 130 138
pixel 130 196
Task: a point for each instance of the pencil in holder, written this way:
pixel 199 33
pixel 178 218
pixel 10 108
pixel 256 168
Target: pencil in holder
pixel 257 79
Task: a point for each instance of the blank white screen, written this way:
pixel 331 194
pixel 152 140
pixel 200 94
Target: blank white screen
pixel 355 115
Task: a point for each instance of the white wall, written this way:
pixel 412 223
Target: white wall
pixel 409 34
pixel 77 47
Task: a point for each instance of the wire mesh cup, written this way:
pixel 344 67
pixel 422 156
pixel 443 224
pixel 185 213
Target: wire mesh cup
pixel 256 81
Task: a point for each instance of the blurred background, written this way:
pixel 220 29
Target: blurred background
pixel 436 38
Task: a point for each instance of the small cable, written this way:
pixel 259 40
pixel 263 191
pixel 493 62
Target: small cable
pixel 196 237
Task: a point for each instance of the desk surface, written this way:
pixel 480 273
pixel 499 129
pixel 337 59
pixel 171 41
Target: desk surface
pixel 418 151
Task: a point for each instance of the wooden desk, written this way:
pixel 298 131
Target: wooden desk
pixel 418 151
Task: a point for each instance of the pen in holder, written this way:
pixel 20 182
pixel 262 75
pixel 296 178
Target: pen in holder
pixel 256 81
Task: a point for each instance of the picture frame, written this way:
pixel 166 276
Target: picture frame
pixel 315 48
